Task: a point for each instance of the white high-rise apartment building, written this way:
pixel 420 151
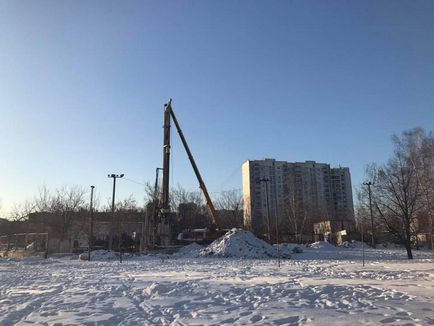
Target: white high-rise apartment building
pixel 299 194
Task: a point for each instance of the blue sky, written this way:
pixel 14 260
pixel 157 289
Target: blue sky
pixel 83 83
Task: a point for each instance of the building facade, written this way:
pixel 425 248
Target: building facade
pixel 289 197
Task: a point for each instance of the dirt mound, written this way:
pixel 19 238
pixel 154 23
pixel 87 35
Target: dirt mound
pixel 239 243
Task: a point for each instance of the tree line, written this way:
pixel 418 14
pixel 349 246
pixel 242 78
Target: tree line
pixel 189 206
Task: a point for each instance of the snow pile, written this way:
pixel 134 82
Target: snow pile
pixel 239 243
pixel 322 245
pixel 352 244
pixel 99 255
pixel 287 249
pixel 191 250
pixel 389 245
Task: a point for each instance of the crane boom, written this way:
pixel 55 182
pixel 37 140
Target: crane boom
pixel 202 186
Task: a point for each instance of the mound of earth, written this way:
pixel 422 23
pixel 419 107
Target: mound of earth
pixel 239 243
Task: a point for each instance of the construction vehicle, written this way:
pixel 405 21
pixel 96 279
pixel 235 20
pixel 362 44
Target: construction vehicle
pixel 163 214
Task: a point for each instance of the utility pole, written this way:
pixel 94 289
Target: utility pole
pixel 155 208
pixel 114 176
pixel 369 184
pixel 266 181
pixel 91 223
pixel 363 244
pixel 277 240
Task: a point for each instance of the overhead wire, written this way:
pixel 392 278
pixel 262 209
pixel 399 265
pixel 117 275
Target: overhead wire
pixel 134 181
pixel 230 177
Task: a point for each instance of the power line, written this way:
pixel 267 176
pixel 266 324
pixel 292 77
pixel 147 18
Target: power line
pixel 134 181
pixel 230 177
pixel 227 190
pixel 189 191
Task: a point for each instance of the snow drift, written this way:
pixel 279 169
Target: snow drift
pixel 101 255
pixel 239 243
pixel 322 245
pixel 191 250
pixel 289 248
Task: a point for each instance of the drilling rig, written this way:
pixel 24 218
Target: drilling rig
pixel 163 215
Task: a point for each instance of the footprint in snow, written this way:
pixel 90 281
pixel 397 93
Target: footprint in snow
pixel 256 318
pixel 294 320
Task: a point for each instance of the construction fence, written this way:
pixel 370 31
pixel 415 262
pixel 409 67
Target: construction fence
pixel 24 244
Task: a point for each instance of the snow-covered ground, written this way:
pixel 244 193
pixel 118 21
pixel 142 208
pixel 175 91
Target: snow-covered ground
pixel 323 285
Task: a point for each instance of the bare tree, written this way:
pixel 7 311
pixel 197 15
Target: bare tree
pixel 44 200
pixel 40 203
pixel 296 215
pixel 421 147
pixel 191 208
pixel 296 212
pixel 397 192
pixel 151 211
pixel 66 202
pixel 127 204
pixel 20 212
pixel 362 210
pixel 230 201
pixel 180 195
pixel 151 194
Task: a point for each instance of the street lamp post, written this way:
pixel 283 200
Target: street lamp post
pixel 266 180
pixel 114 176
pixel 363 243
pixel 91 223
pixel 155 207
pixel 369 184
pixel 277 240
